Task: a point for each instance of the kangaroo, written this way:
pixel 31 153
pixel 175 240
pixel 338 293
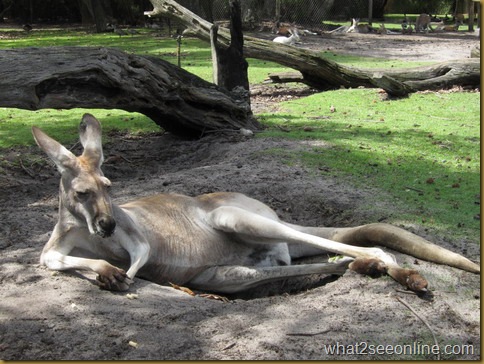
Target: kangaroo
pixel 356 27
pixel 449 28
pixel 382 30
pixel 422 24
pixel 289 40
pixel 221 242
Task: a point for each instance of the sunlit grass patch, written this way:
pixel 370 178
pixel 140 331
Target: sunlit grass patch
pixel 424 150
pixel 62 125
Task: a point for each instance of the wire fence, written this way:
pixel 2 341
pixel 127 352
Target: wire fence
pixel 316 12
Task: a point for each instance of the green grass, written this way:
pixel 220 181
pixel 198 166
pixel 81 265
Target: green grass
pixel 195 54
pixel 62 125
pixel 396 146
pixel 423 150
pixel 195 57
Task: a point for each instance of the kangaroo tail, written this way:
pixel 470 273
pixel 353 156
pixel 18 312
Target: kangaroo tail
pixel 405 242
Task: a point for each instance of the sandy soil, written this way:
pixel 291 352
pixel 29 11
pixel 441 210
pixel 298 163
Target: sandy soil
pixel 50 315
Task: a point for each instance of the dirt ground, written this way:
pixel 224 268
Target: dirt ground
pixel 51 315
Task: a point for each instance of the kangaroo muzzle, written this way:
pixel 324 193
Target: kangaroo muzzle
pixel 105 225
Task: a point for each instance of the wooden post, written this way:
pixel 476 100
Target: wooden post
pixel 370 11
pixel 215 52
pixel 178 49
pixel 479 19
pixel 470 13
pixel 278 10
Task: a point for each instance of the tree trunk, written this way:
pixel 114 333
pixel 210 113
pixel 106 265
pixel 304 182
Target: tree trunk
pixel 325 74
pixel 470 12
pixel 230 66
pixel 71 77
pixel 96 12
pixel 379 9
pixel 5 8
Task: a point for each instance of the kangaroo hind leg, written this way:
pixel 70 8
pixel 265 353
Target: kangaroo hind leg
pixel 256 228
pixel 233 279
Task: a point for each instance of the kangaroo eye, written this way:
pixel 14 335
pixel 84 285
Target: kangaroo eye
pixel 82 195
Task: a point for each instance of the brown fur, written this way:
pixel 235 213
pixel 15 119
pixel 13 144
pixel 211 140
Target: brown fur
pixel 409 278
pixel 225 241
pixel 368 266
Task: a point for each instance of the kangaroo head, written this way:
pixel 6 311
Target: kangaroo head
pixel 84 189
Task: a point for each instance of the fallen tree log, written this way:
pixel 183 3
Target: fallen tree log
pixel 322 73
pixel 85 77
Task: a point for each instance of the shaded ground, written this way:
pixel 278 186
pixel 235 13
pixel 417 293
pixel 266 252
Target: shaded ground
pixel 46 315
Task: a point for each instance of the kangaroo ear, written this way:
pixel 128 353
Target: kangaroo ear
pixel 91 140
pixel 60 155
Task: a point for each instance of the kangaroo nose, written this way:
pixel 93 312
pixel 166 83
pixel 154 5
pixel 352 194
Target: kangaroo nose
pixel 106 225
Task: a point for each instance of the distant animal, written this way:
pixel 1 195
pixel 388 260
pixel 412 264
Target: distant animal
pixel 249 19
pixel 356 27
pixel 288 40
pixel 283 28
pixel 222 242
pixel 406 25
pixel 449 28
pixel 458 17
pixel 308 32
pixel 405 22
pixel 153 25
pixel 422 24
pixel 27 27
pixel 120 31
pixel 132 31
pixel 408 29
pixel 382 29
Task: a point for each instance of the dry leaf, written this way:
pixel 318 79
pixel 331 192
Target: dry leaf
pixel 211 296
pixel 183 289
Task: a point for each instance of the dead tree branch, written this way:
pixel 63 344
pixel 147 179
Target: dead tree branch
pixel 325 74
pixel 85 77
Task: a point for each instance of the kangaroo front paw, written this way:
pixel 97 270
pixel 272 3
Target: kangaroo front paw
pixel 113 279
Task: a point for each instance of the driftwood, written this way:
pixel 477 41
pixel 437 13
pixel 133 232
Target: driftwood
pixel 325 74
pixel 85 77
